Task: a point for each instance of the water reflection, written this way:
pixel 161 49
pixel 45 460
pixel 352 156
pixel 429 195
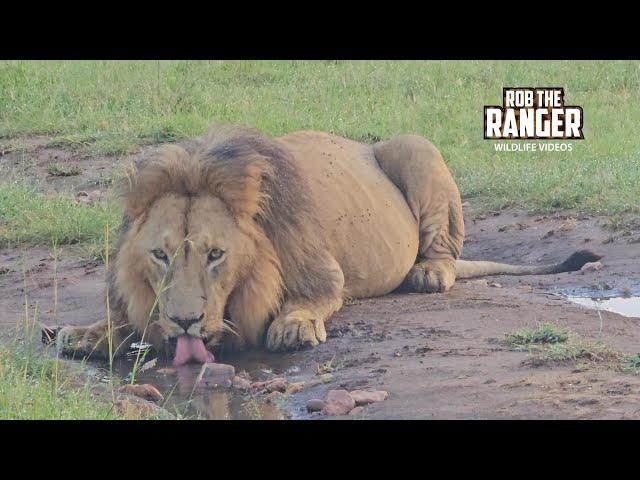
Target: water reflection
pixel 629 307
pixel 214 398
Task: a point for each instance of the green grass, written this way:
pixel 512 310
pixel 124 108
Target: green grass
pixel 549 345
pixel 545 334
pixel 579 350
pixel 112 107
pixel 33 386
pixel 58 169
pixel 29 217
pixel 631 363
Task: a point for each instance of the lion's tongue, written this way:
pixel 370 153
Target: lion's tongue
pixel 191 348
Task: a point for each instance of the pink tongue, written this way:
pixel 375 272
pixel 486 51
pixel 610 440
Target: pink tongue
pixel 191 348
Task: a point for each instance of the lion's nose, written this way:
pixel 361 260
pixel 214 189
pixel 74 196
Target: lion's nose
pixel 186 321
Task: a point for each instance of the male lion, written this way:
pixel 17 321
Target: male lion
pixel 239 239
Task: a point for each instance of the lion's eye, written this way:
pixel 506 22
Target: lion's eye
pixel 215 254
pixel 160 255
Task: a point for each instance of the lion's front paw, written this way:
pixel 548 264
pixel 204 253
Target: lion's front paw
pixel 430 277
pixel 294 330
pixel 70 341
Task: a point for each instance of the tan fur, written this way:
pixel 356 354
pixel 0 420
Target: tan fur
pixel 303 221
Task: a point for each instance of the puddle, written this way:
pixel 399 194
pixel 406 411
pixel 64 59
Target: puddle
pixel 625 302
pixel 186 398
pixel 190 394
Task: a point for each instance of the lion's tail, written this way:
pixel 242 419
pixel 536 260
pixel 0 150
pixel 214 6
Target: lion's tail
pixel 469 269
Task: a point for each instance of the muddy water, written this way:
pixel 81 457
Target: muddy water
pixel 185 397
pixel 625 303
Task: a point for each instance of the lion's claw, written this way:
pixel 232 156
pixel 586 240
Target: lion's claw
pixel 295 330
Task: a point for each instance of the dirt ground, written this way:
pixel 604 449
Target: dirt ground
pixel 435 354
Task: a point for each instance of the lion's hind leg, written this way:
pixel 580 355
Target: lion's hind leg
pixel 416 167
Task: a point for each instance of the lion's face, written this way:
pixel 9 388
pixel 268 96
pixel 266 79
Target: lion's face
pixel 191 252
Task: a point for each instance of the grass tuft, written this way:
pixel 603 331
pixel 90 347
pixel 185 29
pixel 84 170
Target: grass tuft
pixel 545 334
pixel 58 169
pixel 29 217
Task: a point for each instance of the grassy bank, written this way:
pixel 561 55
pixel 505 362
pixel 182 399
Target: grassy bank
pixel 28 217
pixel 102 107
pixel 34 387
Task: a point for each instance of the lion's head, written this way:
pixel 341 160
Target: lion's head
pixel 200 257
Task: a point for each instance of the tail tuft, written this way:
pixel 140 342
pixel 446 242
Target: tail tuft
pixel 578 259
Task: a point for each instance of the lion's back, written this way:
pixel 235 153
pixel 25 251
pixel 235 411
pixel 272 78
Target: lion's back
pixel 369 228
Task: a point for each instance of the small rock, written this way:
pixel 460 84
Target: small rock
pixel 219 369
pixel 495 285
pixel 339 402
pixel 356 411
pixel 145 390
pixel 591 267
pixel 295 388
pixel 131 409
pixel 276 385
pixel 213 375
pixel 273 396
pixel 167 371
pixel 240 383
pixel 315 405
pixel 365 397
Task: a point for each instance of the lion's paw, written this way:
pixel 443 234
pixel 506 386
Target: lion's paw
pixel 68 339
pixel 71 341
pixel 294 330
pixel 430 277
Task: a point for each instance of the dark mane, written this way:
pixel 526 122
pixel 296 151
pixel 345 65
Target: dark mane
pixel 255 176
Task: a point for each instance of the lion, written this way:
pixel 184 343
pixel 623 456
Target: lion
pixel 239 240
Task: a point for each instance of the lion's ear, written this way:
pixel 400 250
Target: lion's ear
pixel 238 182
pixel 171 168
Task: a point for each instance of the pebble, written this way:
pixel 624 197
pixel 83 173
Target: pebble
pixel 339 402
pixel 129 409
pixel 145 390
pixel 356 411
pixel 591 267
pixel 315 405
pixel 276 385
pixel 219 369
pixel 365 397
pixel 295 388
pixel 167 371
pixel 240 383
